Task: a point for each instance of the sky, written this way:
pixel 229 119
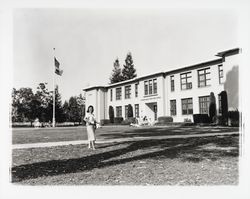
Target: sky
pixel 87 42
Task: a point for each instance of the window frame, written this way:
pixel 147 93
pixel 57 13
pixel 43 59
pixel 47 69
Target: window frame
pixel 172 86
pixel 186 77
pixel 118 97
pixel 221 73
pixel 204 104
pixel 127 92
pixel 118 111
pixel 137 109
pixel 206 78
pixel 187 109
pixel 173 107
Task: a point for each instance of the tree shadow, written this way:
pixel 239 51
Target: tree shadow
pixel 163 131
pixel 185 149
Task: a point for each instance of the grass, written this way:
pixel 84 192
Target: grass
pixel 31 135
pixel 190 161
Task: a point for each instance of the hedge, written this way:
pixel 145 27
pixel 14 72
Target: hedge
pixel 118 120
pixel 201 118
pixel 165 119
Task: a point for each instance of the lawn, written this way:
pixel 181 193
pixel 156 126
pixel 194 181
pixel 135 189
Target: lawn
pixel 31 135
pixel 181 161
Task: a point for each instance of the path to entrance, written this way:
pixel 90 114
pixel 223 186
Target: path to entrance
pixel 52 144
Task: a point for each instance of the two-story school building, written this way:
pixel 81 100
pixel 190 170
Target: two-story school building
pixel 179 93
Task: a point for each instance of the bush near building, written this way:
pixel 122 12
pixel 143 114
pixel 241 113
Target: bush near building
pixel 201 118
pixel 111 114
pixel 165 119
pixel 234 118
pixel 129 120
pixel 118 120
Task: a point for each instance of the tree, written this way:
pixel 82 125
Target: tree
pixel 212 107
pixel 111 114
pixel 74 113
pixel 224 107
pixel 21 105
pixel 128 71
pixel 130 111
pixel 116 75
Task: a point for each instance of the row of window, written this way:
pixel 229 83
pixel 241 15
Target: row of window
pixel 187 105
pixel 204 78
pixel 119 110
pixel 150 88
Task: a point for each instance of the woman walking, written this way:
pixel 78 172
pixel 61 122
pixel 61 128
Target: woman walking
pixel 91 126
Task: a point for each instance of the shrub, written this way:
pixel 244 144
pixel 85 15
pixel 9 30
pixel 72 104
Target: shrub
pixel 118 120
pixel 111 114
pixel 128 121
pixel 201 118
pixel 187 120
pixel 130 111
pixel 224 107
pixel 165 119
pixel 234 118
pixel 212 107
pixel 104 121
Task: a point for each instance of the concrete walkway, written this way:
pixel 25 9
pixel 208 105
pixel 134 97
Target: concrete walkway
pixel 52 144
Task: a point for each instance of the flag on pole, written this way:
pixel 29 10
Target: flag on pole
pixel 57 69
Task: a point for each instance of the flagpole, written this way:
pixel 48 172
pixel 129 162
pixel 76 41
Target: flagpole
pixel 54 94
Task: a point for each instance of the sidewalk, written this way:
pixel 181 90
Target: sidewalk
pixel 76 142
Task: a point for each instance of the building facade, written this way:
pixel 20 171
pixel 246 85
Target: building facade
pixel 178 93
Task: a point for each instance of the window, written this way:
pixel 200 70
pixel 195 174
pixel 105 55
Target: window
pixel 145 87
pixel 154 86
pixel 111 94
pixel 204 104
pixel 127 92
pixel 126 111
pixel 118 93
pixel 204 77
pixel 186 81
pixel 136 110
pixel 220 73
pixel 187 106
pixel 172 107
pixel 172 82
pixel 219 99
pixel 118 111
pixel 150 87
pixel 136 90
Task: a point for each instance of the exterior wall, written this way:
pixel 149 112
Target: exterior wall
pixel 193 93
pixel 145 102
pixel 100 97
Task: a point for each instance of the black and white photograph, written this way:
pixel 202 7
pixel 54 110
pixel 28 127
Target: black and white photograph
pixel 127 96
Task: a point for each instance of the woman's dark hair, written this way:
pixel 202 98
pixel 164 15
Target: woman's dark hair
pixel 89 108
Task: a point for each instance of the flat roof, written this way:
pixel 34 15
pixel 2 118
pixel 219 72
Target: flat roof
pixel 191 67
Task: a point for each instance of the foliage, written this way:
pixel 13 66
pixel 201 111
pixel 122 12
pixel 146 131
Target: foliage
pixel 118 120
pixel 111 114
pixel 128 121
pixel 116 75
pixel 224 107
pixel 212 107
pixel 201 118
pixel 130 111
pixel 27 106
pixel 104 121
pixel 234 118
pixel 128 71
pixel 165 119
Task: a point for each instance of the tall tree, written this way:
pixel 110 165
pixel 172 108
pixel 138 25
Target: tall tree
pixel 116 75
pixel 212 107
pixel 128 71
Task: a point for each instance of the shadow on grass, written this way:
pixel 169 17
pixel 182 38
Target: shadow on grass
pixel 163 131
pixel 189 149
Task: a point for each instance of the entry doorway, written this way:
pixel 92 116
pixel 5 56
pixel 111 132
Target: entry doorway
pixel 151 111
